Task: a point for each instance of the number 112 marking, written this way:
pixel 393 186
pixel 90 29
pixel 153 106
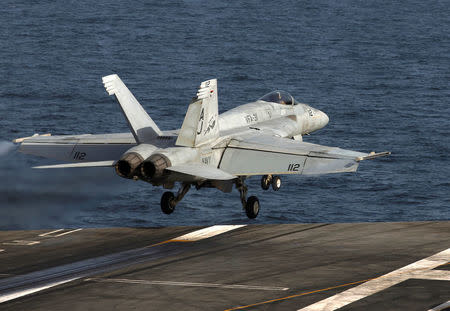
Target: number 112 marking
pixel 293 167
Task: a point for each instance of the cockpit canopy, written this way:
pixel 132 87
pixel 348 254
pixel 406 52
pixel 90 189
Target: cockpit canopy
pixel 280 97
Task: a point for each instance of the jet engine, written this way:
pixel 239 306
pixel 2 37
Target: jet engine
pixel 128 164
pixel 153 167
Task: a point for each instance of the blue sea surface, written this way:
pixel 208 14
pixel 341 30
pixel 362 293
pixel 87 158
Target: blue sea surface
pixel 379 69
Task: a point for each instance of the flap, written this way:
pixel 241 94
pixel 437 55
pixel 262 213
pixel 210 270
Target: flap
pixel 201 171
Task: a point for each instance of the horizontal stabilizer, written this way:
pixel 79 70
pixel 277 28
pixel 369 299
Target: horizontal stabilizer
pixel 202 171
pixel 82 164
pixel 139 122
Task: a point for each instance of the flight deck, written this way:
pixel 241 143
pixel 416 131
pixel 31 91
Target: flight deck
pixel 351 266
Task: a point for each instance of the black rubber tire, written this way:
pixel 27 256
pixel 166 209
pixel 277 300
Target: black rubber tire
pixel 265 184
pixel 252 207
pixel 276 183
pixel 167 205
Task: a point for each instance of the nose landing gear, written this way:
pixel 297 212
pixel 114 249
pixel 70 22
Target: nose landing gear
pixel 268 180
pixel 276 183
pixel 265 182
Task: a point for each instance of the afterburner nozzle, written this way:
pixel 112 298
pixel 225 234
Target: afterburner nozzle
pixel 126 166
pixel 154 166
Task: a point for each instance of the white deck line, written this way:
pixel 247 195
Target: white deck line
pixel 48 233
pixel 32 290
pixel 193 236
pixel 438 275
pixel 207 232
pixel 68 232
pixel 1 250
pixel 441 307
pixel 417 270
pixel 21 243
pixel 189 284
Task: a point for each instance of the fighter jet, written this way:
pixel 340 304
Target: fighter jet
pixel 261 138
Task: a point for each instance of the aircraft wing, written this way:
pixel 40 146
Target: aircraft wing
pixel 264 154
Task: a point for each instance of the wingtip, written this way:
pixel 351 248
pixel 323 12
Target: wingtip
pixel 22 139
pixel 109 83
pixel 373 155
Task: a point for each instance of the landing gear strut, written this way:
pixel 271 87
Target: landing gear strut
pixel 251 206
pixel 169 200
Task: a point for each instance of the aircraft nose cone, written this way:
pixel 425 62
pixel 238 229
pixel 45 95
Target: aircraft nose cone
pixel 321 119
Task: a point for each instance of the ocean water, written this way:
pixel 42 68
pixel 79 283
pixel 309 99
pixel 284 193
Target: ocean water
pixel 380 70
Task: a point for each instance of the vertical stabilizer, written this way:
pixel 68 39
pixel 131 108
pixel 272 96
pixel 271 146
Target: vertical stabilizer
pixel 200 124
pixel 139 122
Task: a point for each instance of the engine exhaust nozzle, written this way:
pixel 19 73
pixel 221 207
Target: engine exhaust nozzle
pixel 154 166
pixel 126 167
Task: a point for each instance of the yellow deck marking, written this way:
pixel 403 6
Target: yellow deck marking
pixel 297 295
pixel 421 269
pixel 160 243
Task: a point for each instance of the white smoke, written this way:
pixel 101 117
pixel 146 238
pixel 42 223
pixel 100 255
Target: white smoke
pixel 6 147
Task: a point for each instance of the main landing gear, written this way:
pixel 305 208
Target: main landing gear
pixel 268 180
pixel 250 205
pixel 169 200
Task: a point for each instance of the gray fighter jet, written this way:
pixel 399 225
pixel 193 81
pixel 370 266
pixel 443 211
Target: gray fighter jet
pixel 210 150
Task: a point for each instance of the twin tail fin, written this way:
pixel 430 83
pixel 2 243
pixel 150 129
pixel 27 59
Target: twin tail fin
pixel 139 122
pixel 200 124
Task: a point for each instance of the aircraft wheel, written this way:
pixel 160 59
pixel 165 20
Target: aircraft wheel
pixel 265 182
pixel 252 207
pixel 167 202
pixel 276 183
